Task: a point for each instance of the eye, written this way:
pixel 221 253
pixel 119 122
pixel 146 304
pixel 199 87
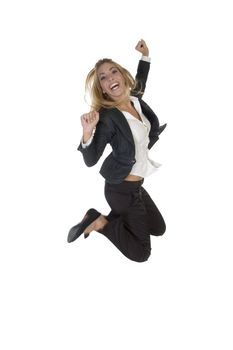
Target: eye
pixel 102 77
pixel 114 71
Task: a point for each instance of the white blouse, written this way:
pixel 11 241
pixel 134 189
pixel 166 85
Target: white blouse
pixel 140 129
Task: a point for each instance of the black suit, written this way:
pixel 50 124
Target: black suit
pixel 114 129
pixel 133 216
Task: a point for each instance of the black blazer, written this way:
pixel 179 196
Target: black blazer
pixel 114 129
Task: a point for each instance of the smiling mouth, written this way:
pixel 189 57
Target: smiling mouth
pixel 114 86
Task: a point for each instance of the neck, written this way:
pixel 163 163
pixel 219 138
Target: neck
pixel 123 100
pixel 126 104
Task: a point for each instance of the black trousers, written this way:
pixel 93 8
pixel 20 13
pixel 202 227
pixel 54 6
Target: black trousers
pixel 133 218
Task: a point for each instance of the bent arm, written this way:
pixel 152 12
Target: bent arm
pixel 92 152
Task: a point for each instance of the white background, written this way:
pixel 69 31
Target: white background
pixel 87 295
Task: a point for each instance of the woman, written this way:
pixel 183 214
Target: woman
pixel 121 118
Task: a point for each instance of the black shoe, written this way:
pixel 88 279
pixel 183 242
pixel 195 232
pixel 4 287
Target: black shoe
pixel 76 231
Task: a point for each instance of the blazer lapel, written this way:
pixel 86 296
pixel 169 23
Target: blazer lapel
pixel 119 119
pixel 151 116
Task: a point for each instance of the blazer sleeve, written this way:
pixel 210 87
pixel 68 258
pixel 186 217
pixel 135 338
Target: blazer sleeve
pixel 102 136
pixel 141 78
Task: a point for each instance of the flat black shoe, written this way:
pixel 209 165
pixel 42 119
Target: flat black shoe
pixel 76 231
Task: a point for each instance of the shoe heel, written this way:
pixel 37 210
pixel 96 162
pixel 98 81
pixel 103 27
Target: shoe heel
pixel 86 235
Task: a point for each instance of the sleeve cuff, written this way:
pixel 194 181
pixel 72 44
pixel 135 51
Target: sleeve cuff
pixel 145 58
pixel 86 144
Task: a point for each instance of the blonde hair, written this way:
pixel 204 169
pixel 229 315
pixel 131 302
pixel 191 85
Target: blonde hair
pixel 92 86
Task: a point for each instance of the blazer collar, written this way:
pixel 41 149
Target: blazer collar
pixel 119 119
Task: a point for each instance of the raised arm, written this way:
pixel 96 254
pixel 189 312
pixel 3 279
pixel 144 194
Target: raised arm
pixel 142 70
pixel 141 78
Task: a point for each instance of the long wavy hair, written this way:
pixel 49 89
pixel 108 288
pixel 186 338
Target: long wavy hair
pixel 92 86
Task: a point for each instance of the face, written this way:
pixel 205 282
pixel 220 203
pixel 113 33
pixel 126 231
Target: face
pixel 111 80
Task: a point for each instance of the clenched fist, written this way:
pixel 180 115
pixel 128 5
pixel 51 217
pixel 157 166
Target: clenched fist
pixel 89 122
pixel 142 47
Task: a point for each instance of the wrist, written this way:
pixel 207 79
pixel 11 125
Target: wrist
pixel 145 58
pixel 86 136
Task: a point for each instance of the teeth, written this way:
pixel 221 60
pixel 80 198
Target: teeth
pixel 114 86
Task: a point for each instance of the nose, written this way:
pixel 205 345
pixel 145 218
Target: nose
pixel 110 78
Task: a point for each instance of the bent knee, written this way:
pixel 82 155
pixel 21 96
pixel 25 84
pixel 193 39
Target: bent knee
pixel 162 228
pixel 144 256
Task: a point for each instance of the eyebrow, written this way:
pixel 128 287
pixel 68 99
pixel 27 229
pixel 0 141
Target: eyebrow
pixel 109 69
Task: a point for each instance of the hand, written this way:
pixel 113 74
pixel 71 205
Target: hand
pixel 89 122
pixel 142 47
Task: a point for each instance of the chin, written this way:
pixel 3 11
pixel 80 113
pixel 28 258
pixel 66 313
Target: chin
pixel 118 95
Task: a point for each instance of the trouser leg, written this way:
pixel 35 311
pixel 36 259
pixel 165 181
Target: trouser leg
pixel 127 228
pixel 156 223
